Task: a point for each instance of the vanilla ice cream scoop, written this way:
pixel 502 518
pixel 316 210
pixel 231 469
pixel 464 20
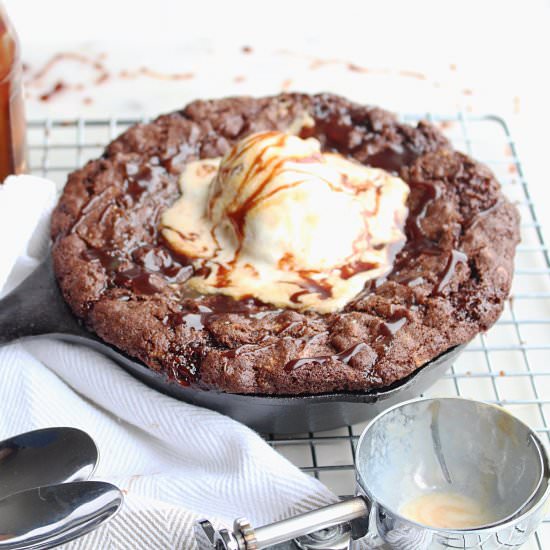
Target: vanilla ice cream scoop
pixel 279 220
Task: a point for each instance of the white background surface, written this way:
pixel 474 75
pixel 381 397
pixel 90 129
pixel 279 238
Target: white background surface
pixel 475 56
pixel 481 56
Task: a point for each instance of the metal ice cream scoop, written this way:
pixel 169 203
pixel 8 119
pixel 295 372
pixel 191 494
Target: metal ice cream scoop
pixel 410 456
pixel 45 499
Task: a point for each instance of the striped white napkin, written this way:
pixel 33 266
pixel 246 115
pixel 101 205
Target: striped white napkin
pixel 174 462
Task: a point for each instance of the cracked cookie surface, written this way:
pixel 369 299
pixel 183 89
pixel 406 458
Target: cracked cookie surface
pixel 448 283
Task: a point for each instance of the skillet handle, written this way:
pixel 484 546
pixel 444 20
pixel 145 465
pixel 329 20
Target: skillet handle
pixel 36 307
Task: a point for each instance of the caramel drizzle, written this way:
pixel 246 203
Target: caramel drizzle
pixel 237 213
pixel 350 270
pixel 311 286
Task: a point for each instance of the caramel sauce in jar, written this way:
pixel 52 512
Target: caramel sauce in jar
pixel 12 114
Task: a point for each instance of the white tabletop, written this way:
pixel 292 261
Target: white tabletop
pixel 137 59
pixel 482 57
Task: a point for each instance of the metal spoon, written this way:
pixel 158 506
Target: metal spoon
pixel 45 457
pixel 49 516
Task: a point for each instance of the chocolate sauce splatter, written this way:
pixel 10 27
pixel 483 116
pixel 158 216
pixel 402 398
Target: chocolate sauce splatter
pixel 413 74
pixel 100 74
pixel 58 88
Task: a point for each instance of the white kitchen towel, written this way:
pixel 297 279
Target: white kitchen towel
pixel 174 462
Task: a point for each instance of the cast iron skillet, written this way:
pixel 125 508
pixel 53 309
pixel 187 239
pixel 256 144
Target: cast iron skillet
pixel 37 308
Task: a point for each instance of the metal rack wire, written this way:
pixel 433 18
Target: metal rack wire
pixel 508 365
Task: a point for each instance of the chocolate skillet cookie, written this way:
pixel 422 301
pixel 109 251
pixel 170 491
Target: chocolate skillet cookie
pixel 292 244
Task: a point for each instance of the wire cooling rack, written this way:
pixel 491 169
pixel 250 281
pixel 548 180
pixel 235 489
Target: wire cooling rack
pixel 508 365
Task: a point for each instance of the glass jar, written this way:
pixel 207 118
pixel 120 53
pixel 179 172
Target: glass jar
pixel 12 114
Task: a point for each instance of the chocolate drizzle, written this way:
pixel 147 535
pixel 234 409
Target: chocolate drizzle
pixel 120 218
pixel 311 286
pixel 152 267
pixel 237 212
pixel 108 258
pixel 350 270
pixel 142 268
pixel 138 178
pixel 138 280
pixel 344 357
pixel 455 258
pixel 174 267
pixel 338 132
pixel 387 329
pixel 393 158
pixel 295 298
pixel 212 307
pixel 419 243
pixel 196 320
pixel 263 169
